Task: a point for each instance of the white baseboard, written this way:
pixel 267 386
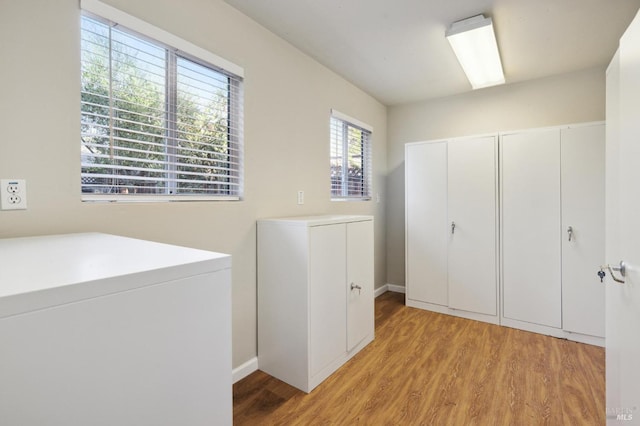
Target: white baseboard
pixel 388 287
pixel 396 288
pixel 245 369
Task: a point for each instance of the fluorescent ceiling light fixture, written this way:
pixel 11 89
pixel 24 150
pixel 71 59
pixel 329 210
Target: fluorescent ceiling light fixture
pixel 474 43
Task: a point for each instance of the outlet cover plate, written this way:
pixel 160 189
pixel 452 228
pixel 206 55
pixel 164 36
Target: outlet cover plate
pixel 13 194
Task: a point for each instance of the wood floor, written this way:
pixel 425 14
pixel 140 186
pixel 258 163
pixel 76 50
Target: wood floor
pixel 433 369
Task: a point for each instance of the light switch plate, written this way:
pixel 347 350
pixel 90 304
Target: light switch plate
pixel 13 194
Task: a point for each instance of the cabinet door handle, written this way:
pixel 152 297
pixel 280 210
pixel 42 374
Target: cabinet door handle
pixel 570 232
pixel 356 287
pixel 453 227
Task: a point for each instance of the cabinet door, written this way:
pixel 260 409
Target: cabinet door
pixel 64 365
pixel 583 210
pixel 360 319
pixel 472 208
pixel 327 304
pixel 427 232
pixel 531 227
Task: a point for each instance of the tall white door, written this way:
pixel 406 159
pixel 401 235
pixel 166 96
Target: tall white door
pixel 360 317
pixel 531 259
pixel 583 228
pixel 427 232
pixel 472 220
pixel 614 295
pixel 623 300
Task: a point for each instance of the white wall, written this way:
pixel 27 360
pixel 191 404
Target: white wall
pixel 570 98
pixel 287 101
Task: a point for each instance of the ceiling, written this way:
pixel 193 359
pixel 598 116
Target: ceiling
pixel 396 50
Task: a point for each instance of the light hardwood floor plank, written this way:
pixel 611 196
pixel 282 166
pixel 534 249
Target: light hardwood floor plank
pixel 426 368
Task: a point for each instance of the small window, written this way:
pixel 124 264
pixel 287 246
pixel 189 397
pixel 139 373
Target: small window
pixel 156 122
pixel 350 150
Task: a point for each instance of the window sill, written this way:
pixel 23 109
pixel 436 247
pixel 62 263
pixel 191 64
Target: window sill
pixel 352 199
pixel 110 198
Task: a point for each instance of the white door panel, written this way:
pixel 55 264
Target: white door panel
pixel 327 304
pixel 426 222
pixel 623 300
pixel 472 207
pixel 583 211
pixel 531 227
pixel 612 235
pixel 360 317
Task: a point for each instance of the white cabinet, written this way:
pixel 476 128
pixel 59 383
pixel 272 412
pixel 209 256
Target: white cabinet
pixel 104 330
pixel 552 188
pixel 451 226
pixel 315 295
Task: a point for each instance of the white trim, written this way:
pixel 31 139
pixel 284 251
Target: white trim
pixel 351 120
pixel 397 288
pixel 135 198
pixel 441 309
pixel 544 129
pixel 131 22
pixel 388 287
pixel 553 332
pixel 245 369
pixel 381 290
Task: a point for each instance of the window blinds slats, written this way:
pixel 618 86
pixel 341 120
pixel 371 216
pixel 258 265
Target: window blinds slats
pixel 154 119
pixel 148 120
pixel 206 165
pixel 350 158
pixel 160 179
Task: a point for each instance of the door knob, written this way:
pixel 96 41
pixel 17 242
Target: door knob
pixel 622 268
pixel 570 232
pixel 453 227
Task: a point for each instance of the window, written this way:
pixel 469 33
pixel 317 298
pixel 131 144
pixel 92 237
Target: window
pixel 350 150
pixel 156 121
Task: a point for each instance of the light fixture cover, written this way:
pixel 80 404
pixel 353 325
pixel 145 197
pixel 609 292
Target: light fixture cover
pixel 474 43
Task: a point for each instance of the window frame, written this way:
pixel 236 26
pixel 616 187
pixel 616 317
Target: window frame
pixel 367 153
pixel 177 49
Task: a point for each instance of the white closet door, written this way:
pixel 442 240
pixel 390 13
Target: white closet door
pixel 360 317
pixel 531 228
pixel 583 210
pixel 327 304
pixel 472 207
pixel 427 232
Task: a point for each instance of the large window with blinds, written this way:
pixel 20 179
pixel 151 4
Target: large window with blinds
pixel 156 122
pixel 350 151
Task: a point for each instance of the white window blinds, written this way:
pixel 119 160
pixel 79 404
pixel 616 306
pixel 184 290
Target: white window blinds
pixel 350 150
pixel 155 121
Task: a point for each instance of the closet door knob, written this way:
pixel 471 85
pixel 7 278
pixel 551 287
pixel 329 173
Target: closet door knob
pixel 621 268
pixel 570 232
pixel 453 227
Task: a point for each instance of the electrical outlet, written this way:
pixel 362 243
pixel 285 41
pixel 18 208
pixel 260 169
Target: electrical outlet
pixel 300 197
pixel 13 194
